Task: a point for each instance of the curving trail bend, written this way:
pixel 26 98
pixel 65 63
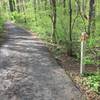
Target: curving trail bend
pixel 28 72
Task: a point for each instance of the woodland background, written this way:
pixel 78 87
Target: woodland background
pixel 60 23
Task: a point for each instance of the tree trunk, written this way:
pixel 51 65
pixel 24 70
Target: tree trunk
pixel 64 6
pixel 64 3
pixel 12 5
pixel 17 4
pixel 70 29
pixel 53 18
pixel 91 24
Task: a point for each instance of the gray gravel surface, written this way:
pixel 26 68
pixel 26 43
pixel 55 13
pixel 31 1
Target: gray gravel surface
pixel 28 71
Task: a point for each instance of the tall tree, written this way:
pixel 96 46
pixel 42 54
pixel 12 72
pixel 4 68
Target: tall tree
pixel 17 4
pixel 24 8
pixel 12 5
pixel 64 3
pixel 91 24
pixel 64 6
pixel 70 29
pixel 53 18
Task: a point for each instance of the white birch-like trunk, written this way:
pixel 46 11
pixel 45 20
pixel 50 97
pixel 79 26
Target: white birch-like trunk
pixel 82 65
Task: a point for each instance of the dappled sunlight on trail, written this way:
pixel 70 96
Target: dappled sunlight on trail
pixel 28 71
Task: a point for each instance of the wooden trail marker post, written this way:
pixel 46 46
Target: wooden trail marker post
pixel 84 37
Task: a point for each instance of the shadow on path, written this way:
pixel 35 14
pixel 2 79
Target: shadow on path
pixel 28 72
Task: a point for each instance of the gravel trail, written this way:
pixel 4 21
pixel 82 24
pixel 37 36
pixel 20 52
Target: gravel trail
pixel 28 71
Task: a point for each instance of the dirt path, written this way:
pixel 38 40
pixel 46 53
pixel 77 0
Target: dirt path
pixel 28 72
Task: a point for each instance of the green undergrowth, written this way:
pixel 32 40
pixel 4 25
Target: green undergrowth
pixel 93 81
pixel 2 33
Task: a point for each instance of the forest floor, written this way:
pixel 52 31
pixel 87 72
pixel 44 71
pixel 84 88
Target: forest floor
pixel 29 72
pixel 72 68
